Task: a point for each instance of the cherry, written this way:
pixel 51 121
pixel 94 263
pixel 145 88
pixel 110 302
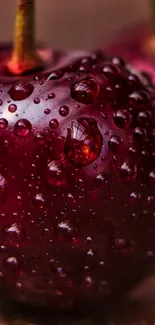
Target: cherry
pixel 77 173
pixel 76 180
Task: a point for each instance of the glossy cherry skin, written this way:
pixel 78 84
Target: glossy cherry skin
pixel 77 181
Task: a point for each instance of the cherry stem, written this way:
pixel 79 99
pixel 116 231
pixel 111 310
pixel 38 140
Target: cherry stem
pixel 24 55
pixel 149 45
pixel 152 5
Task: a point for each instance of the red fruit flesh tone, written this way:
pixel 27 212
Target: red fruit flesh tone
pixel 77 177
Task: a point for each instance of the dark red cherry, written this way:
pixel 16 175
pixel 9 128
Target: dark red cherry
pixel 77 176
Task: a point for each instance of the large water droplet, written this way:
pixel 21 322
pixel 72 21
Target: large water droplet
pixel 54 124
pixel 3 123
pixel 22 127
pixel 85 91
pixel 128 172
pixel 114 143
pixel 55 173
pixel 83 141
pixel 139 134
pixel 21 90
pixel 13 235
pixel 138 100
pixel 122 119
pixel 64 110
pixel 12 108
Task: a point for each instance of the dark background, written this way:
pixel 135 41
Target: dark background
pixel 77 23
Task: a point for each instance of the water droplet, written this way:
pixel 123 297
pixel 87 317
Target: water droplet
pixel 114 143
pixel 128 172
pixel 47 111
pixel 12 108
pixel 56 75
pixel 134 197
pixel 54 124
pixel 1 102
pixel 85 91
pixel 11 264
pixel 144 118
pixel 138 100
pixel 13 235
pixel 40 200
pixel 64 230
pixel 122 119
pixel 51 96
pixel 3 190
pixel 39 138
pixel 36 101
pixel 139 134
pixel 150 199
pixel 152 176
pixel 83 141
pixel 117 60
pixel 22 127
pixel 55 173
pixel 101 180
pixel 109 70
pixel 21 90
pixel 64 110
pixel 3 123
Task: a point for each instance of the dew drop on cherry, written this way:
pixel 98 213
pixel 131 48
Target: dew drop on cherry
pixel 122 119
pixel 3 190
pixel 3 123
pixel 13 235
pixel 85 91
pixel 11 265
pixel 152 176
pixel 55 75
pixel 22 128
pixel 114 143
pixel 55 173
pixel 39 138
pixel 128 172
pixel 21 90
pixel 83 141
pixel 12 108
pixel 139 134
pixel 144 118
pixel 47 111
pixel 37 101
pixel 134 197
pixel 64 110
pixel 51 96
pixel 101 180
pixel 110 70
pixel 54 124
pixel 138 100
